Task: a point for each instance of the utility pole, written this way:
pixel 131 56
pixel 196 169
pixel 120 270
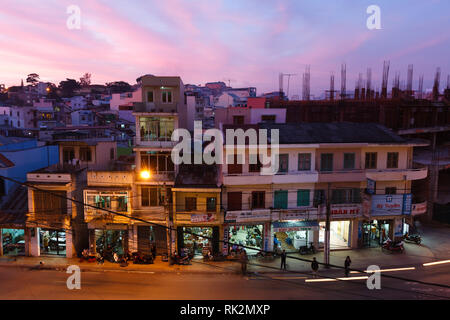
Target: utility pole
pixel 327 229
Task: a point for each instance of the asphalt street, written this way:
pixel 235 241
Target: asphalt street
pixel 18 283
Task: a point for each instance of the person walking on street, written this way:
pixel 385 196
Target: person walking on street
pixel 283 260
pixel 314 267
pixel 244 260
pixel 347 264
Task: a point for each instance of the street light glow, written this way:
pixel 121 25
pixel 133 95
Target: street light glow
pixel 145 174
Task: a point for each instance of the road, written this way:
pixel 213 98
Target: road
pixel 17 283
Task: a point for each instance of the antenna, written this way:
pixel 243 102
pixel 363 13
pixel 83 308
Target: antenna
pixel 288 75
pixel 385 79
pixel 306 83
pixel 343 80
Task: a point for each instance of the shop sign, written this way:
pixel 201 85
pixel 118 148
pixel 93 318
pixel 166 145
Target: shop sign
pixel 245 216
pixel 202 217
pixel 419 208
pixel 391 204
pixel 226 232
pixel 343 210
pixel 398 228
pixel 371 186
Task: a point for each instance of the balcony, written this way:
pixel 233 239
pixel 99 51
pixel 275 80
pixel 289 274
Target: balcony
pixel 151 107
pixel 342 176
pixel 166 176
pixel 165 143
pixel 397 174
pixel 109 178
pixel 257 179
pixel 296 177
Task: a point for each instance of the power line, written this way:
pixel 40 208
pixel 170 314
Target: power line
pixel 212 239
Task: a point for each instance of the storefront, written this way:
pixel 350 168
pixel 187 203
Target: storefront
pixel 147 236
pixel 292 235
pixel 13 241
pixel 52 242
pixel 198 240
pixel 250 236
pixel 109 242
pixel 375 232
pixel 340 234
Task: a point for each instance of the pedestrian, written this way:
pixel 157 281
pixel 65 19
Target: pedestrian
pixel 347 264
pixel 244 260
pixel 314 267
pixel 283 260
pixel 154 251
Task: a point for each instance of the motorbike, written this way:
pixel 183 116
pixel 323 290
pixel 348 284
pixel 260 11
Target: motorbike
pixel 307 249
pixel 393 246
pixel 417 239
pixel 139 258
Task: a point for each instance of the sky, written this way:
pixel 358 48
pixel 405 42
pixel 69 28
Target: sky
pixel 241 42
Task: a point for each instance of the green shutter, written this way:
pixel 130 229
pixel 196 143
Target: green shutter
pixel 302 198
pixel 281 199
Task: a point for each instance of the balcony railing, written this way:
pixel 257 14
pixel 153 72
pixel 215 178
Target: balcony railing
pixel 397 174
pixel 151 107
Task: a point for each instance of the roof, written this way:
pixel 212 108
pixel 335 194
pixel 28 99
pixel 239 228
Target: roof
pixel 10 140
pixel 341 132
pixel 13 210
pixel 197 176
pixel 5 162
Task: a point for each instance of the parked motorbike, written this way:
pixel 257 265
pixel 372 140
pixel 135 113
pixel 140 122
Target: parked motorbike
pixel 139 258
pixel 417 239
pixel 307 249
pixel 393 246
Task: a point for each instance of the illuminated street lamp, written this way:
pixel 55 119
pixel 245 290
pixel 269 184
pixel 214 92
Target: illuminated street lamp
pixel 145 174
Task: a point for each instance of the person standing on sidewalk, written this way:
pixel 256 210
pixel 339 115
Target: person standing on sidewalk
pixel 244 260
pixel 283 260
pixel 314 267
pixel 347 264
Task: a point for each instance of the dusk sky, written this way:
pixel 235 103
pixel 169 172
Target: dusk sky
pixel 249 42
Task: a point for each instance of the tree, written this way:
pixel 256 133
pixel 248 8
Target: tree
pixel 85 80
pixel 33 78
pixel 68 86
pixel 118 86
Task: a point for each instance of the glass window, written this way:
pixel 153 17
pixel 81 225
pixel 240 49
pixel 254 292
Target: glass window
pixel 284 162
pixel 392 160
pixel 85 154
pixel 349 161
pixel 326 162
pixel 150 96
pixel 342 196
pixel 68 154
pixel 304 161
pixel 234 201
pixel 211 204
pixel 167 96
pixel 156 128
pixel 303 198
pixel 149 197
pixel 391 190
pixel 319 197
pixel 190 203
pixel 371 160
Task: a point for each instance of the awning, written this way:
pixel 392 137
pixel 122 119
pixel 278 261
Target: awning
pixel 294 226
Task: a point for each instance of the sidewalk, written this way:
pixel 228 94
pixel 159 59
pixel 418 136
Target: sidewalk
pixel 435 246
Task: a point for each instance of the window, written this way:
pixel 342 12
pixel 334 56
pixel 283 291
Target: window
pixel 371 160
pixel 280 199
pixel 49 203
pixel 190 203
pixel 234 201
pixel 258 200
pixel 254 167
pixel 167 96
pixel 391 190
pixel 303 198
pixel 326 162
pixel 85 154
pixel 304 161
pixel 68 154
pixel 284 163
pixel 349 161
pixel 150 96
pixel 156 128
pixel 237 120
pixel 342 196
pixel 157 162
pixel 103 202
pixel 319 197
pixel 155 196
pixel 392 160
pixel 211 204
pixel 122 204
pixel 235 168
pixel 268 118
pixel 111 154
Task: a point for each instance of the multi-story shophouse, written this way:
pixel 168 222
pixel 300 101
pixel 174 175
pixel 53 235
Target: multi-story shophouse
pixel 55 225
pixel 363 170
pixel 197 209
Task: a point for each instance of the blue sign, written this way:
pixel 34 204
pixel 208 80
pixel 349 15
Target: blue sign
pixel 407 203
pixel 371 186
